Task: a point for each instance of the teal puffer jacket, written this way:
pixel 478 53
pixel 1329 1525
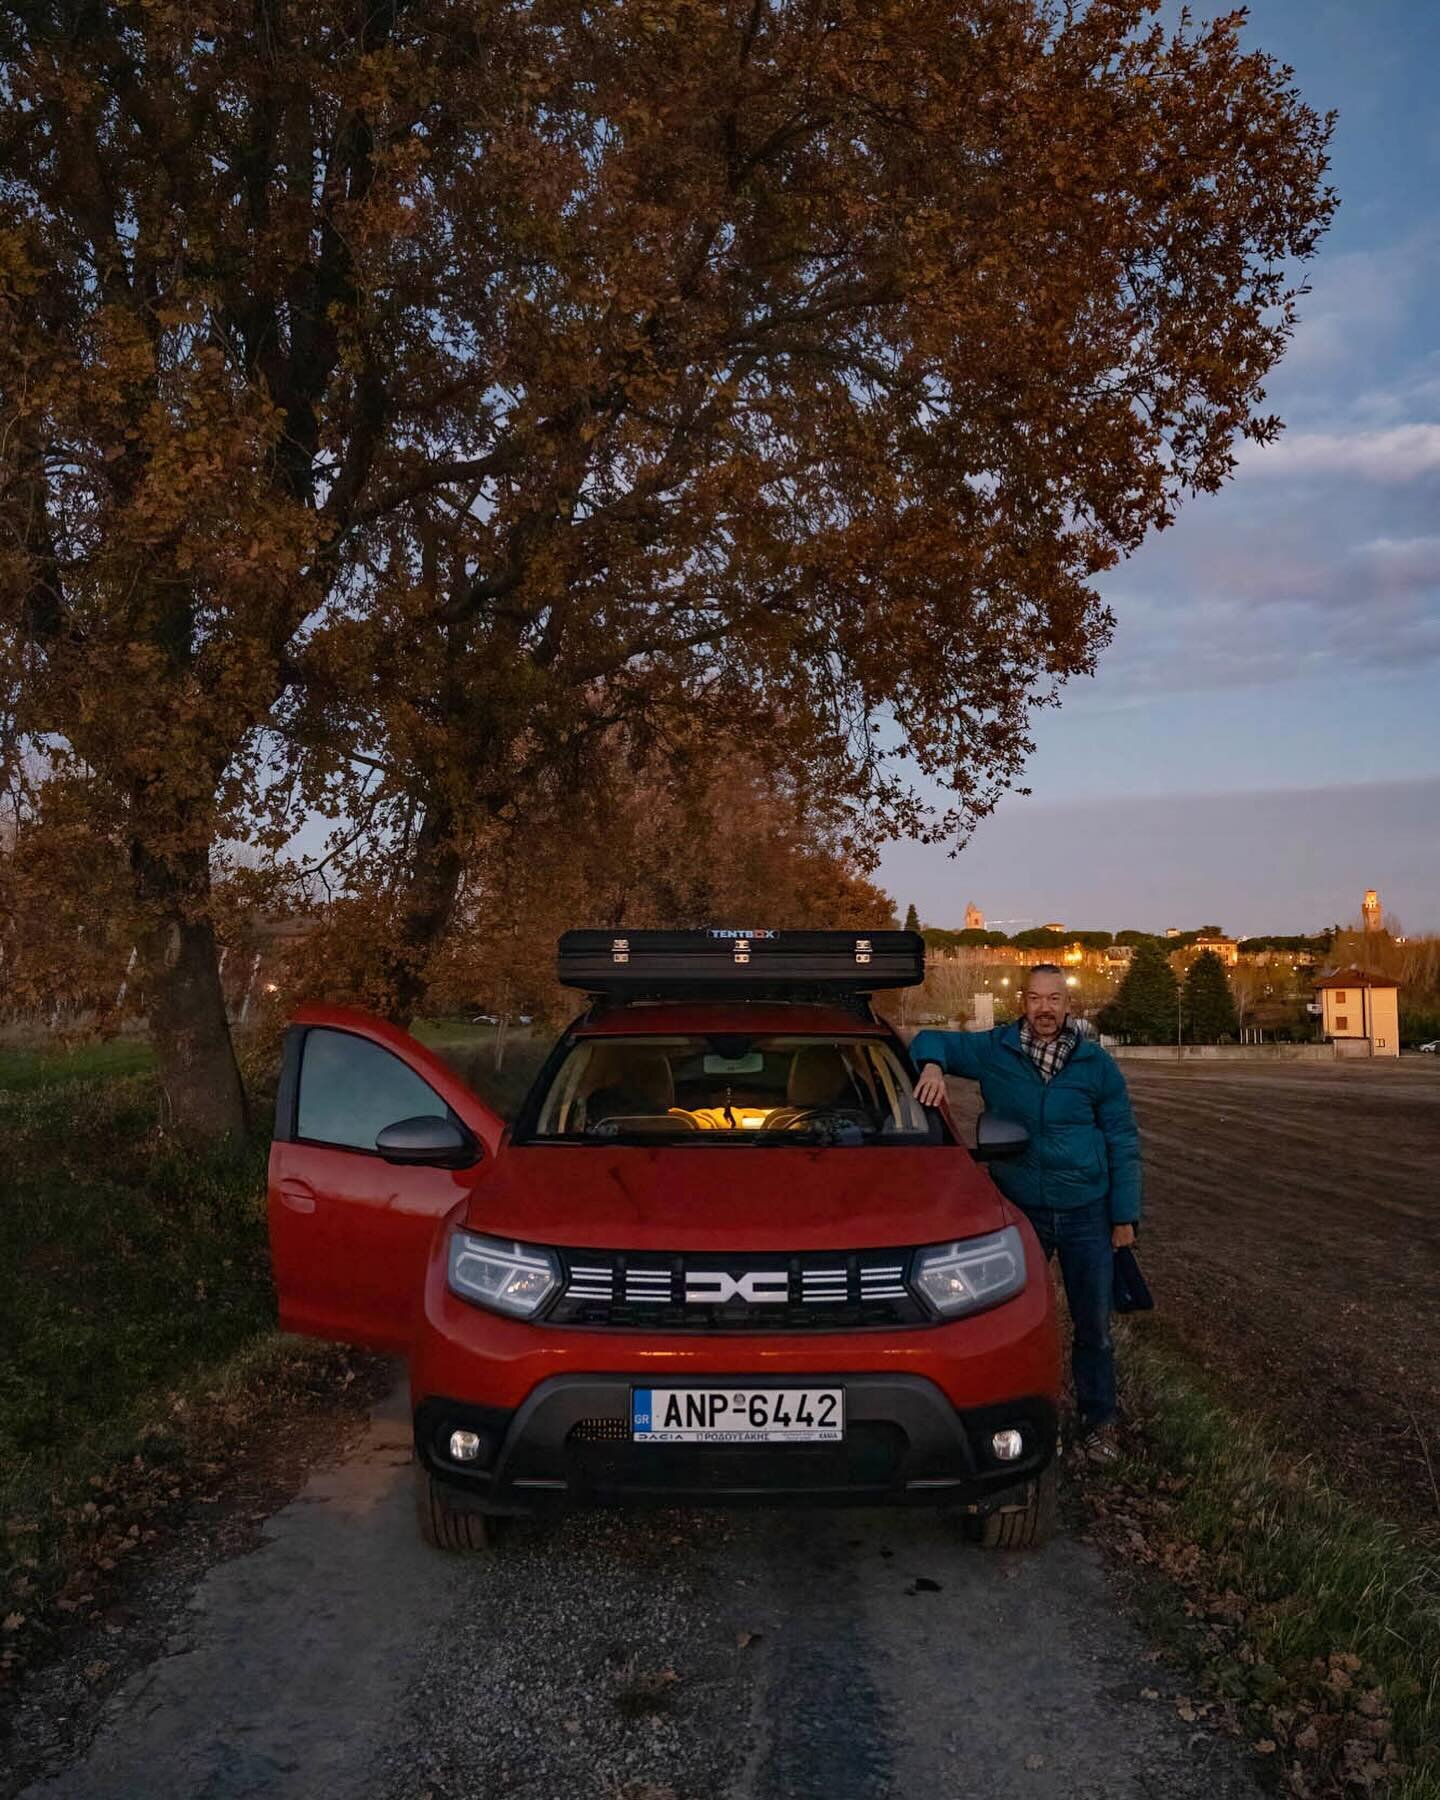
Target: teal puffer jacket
pixel 1083 1142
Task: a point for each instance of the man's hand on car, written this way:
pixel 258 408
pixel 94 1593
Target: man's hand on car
pixel 1121 1235
pixel 930 1088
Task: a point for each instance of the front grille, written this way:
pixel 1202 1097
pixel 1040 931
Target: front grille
pixel 811 1290
pixel 869 1458
pixel 600 1431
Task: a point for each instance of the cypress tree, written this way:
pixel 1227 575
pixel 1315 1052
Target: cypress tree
pixel 1208 1005
pixel 912 918
pixel 1144 1008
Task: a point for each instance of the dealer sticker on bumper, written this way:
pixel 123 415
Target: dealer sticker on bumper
pixel 737 1415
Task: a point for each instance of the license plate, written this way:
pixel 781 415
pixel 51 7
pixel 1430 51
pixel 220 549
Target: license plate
pixel 737 1415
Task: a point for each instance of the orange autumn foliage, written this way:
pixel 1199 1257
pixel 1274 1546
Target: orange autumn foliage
pixel 392 397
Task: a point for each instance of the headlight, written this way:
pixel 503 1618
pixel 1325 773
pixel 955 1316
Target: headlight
pixel 961 1278
pixel 513 1278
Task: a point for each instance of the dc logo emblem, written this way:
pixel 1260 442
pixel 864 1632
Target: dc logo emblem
pixel 713 1287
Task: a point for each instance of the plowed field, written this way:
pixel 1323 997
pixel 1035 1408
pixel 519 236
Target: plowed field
pixel 1292 1237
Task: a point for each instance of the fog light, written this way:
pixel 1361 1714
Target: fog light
pixel 464 1445
pixel 1007 1445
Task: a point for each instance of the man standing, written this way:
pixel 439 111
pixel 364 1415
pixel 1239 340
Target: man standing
pixel 1078 1181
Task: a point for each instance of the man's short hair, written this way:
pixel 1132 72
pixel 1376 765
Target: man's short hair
pixel 1044 969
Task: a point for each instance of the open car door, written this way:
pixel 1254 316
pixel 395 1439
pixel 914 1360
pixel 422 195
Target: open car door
pixel 351 1222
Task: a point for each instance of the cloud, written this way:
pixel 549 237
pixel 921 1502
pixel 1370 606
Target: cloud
pixel 1400 453
pixel 1274 859
pixel 1402 565
pixel 1360 302
pixel 1274 599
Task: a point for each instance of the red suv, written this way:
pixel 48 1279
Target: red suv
pixel 722 1254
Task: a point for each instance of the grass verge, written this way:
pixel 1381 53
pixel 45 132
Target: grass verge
pixel 1310 1625
pixel 130 1274
pixel 23 1069
pixel 138 1318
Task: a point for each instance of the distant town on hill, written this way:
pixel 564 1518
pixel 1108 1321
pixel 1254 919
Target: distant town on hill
pixel 1061 937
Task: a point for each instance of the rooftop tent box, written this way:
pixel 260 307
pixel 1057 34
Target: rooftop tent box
pixel 630 964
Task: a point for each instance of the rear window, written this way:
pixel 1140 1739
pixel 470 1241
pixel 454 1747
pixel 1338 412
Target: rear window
pixel 697 1089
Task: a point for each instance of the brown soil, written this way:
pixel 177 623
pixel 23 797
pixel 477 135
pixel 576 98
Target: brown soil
pixel 1292 1241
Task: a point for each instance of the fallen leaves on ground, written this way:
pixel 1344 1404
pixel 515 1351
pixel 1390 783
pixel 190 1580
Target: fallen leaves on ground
pixel 1326 1719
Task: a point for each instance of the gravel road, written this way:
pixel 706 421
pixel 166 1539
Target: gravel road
pixel 675 1656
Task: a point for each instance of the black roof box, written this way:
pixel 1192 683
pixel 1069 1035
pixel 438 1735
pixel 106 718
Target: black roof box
pixel 623 964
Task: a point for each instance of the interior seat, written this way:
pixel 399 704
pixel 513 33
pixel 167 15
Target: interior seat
pixel 818 1077
pixel 628 1081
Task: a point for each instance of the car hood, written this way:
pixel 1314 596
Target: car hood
pixel 624 1197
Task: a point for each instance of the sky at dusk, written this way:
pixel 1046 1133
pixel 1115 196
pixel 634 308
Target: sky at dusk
pixel 1262 739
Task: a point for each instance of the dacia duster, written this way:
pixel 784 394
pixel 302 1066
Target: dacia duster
pixel 721 1254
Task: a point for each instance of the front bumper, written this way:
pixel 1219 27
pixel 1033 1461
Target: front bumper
pixel 569 1444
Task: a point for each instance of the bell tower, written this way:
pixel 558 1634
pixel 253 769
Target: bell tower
pixel 1371 910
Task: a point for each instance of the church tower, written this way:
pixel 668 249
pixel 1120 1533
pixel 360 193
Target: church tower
pixel 974 918
pixel 1371 910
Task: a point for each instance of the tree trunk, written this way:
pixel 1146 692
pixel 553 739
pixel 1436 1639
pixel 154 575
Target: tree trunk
pixel 434 887
pixel 184 1000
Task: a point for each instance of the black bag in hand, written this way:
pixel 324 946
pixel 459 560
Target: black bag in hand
pixel 1131 1294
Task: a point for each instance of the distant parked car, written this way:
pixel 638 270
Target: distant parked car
pixel 1432 1048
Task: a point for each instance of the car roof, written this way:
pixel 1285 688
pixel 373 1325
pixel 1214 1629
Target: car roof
pixel 758 1018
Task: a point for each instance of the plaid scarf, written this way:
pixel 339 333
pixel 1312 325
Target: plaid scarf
pixel 1051 1056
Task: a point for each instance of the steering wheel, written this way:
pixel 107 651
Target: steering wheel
pixel 789 1117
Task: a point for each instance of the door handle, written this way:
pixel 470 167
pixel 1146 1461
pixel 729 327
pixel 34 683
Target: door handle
pixel 298 1195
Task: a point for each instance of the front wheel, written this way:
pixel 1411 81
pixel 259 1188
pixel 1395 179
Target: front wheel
pixel 445 1526
pixel 1024 1526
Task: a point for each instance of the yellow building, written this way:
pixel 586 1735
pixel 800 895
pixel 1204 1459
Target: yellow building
pixel 1358 1006
pixel 1227 949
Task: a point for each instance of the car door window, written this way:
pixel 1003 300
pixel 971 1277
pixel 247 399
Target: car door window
pixel 351 1089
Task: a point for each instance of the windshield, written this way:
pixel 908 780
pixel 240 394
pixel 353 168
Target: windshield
pixel 729 1089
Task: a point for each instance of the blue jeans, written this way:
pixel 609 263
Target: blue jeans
pixel 1080 1236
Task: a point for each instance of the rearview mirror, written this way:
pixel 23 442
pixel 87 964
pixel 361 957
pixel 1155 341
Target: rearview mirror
pixel 428 1138
pixel 997 1137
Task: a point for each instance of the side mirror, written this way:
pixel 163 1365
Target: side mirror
pixel 996 1137
pixel 428 1138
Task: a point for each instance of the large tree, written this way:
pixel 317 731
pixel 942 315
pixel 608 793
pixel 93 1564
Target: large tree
pixel 401 394
pixel 1145 1009
pixel 1208 1004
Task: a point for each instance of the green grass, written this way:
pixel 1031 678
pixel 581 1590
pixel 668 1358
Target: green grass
pixel 470 1051
pixel 1319 1575
pixel 126 1268
pixel 23 1070
pixel 131 1273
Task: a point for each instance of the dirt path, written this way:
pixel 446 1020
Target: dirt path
pixel 1293 1236
pixel 716 1656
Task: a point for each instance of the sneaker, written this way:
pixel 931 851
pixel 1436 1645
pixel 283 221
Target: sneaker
pixel 1101 1443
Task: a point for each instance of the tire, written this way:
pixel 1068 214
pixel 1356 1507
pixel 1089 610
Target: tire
pixel 447 1527
pixel 1025 1526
